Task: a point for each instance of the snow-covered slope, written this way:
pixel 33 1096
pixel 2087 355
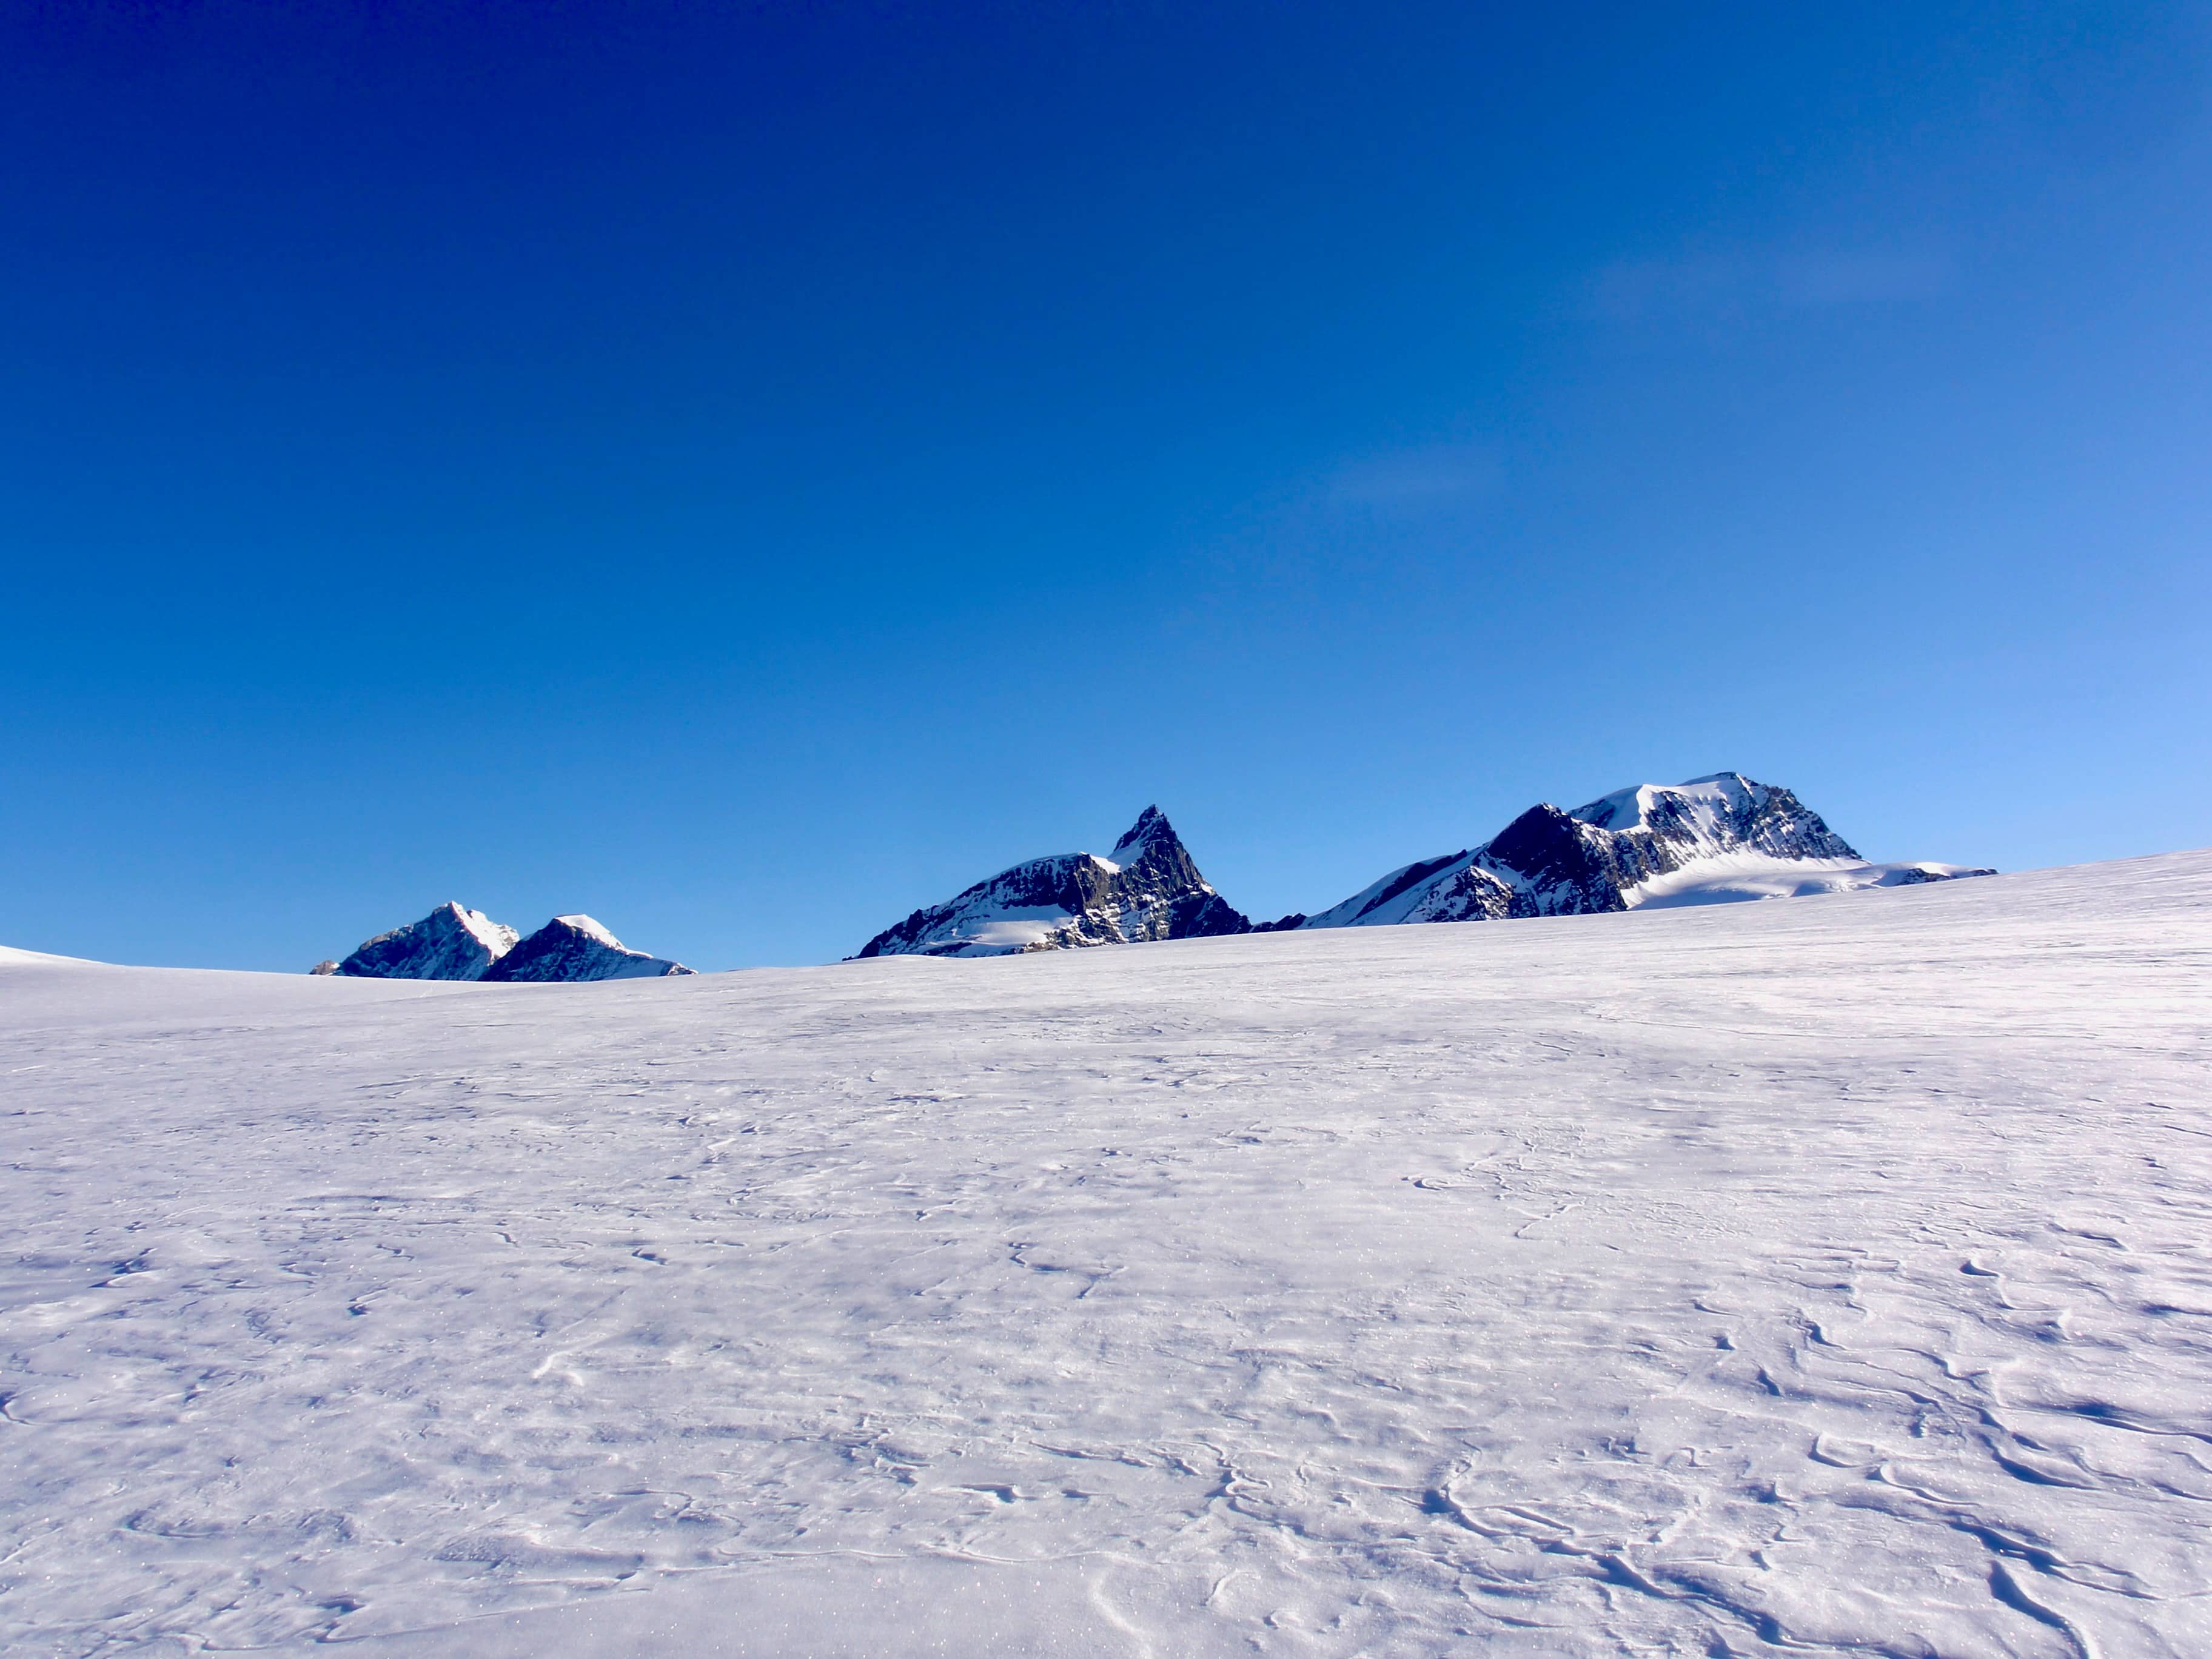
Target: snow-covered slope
pixel 1764 1278
pixel 568 950
pixel 1148 888
pixel 451 942
pixel 1727 879
pixel 11 956
pixel 1708 840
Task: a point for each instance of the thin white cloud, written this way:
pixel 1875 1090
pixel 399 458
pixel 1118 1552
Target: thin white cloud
pixel 1746 281
pixel 1429 476
pixel 1844 279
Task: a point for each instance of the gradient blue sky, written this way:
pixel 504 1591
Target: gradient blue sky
pixel 744 471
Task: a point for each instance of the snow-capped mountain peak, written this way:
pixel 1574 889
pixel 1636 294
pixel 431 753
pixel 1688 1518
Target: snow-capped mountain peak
pixel 1151 830
pixel 1632 808
pixel 1149 889
pixel 1724 812
pixel 451 942
pixel 1718 837
pixel 572 948
pixel 454 942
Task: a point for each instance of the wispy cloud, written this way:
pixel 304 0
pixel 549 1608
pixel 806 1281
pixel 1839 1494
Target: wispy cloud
pixel 1845 279
pixel 1425 478
pixel 1744 281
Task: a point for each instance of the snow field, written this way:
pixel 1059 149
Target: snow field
pixel 1834 1276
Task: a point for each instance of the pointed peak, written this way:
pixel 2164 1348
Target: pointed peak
pixel 1536 840
pixel 1152 824
pixel 577 947
pixel 451 942
pixel 1543 813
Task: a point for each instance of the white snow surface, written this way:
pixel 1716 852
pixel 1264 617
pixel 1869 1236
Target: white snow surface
pixel 1707 797
pixel 496 937
pixel 10 956
pixel 1729 878
pixel 997 931
pixel 1822 1278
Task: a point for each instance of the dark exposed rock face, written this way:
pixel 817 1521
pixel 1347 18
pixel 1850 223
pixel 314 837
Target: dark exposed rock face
pixel 1148 887
pixel 1724 813
pixel 569 949
pixel 1603 856
pixel 1565 869
pixel 451 942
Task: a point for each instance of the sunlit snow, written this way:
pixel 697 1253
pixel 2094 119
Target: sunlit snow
pixel 1729 878
pixel 1824 1277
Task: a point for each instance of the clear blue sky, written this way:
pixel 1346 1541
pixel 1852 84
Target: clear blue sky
pixel 744 471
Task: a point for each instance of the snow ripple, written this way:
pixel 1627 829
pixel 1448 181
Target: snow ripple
pixel 1814 1279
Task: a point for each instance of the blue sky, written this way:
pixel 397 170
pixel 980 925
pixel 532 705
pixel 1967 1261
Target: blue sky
pixel 744 472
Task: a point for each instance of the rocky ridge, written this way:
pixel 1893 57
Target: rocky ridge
pixel 1715 838
pixel 1712 839
pixel 451 942
pixel 571 948
pixel 1148 888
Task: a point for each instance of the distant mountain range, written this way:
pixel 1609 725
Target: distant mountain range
pixel 1712 839
pixel 454 942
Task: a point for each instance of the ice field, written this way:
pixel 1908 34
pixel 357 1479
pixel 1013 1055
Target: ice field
pixel 1832 1275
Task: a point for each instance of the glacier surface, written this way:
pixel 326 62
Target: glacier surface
pixel 1823 1278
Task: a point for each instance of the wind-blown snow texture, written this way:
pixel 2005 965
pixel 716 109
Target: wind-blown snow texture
pixel 1711 839
pixel 1832 1277
pixel 451 942
pixel 1148 889
pixel 571 948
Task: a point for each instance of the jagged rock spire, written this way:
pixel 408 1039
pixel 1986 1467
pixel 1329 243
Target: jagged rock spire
pixel 1148 887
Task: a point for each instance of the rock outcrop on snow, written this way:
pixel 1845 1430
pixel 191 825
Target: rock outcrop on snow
pixel 1148 888
pixel 569 949
pixel 451 942
pixel 454 942
pixel 1709 841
